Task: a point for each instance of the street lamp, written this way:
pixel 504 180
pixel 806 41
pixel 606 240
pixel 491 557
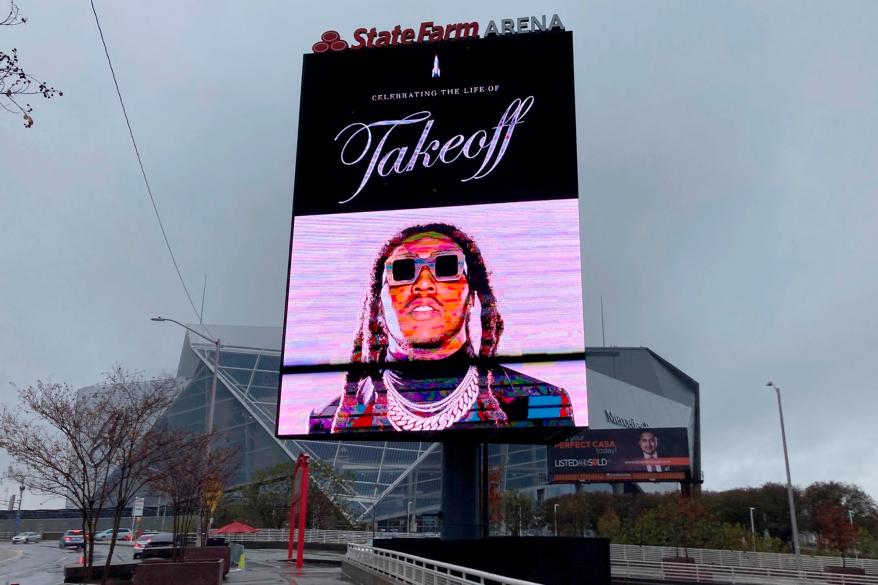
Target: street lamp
pixel 216 354
pixel 18 512
pixel 786 457
pixel 848 502
pixel 556 519
pixel 753 528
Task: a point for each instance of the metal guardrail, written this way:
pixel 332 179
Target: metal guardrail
pixel 320 536
pixel 413 570
pixel 631 561
pixel 698 573
pixel 737 558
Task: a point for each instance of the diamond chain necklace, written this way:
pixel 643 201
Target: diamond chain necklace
pixel 410 415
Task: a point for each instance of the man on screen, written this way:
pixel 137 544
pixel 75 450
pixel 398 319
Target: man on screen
pixel 649 448
pixel 417 369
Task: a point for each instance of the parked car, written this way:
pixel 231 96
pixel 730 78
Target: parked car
pixel 151 541
pixel 27 538
pixel 121 534
pixel 72 538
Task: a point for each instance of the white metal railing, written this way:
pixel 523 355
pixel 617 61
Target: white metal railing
pixel 737 558
pixel 727 574
pixel 413 570
pixel 320 536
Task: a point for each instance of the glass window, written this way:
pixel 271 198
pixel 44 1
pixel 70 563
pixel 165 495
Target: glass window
pixel 241 377
pixel 236 359
pixel 269 362
pixel 261 378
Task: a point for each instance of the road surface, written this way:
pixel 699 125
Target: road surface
pixel 43 563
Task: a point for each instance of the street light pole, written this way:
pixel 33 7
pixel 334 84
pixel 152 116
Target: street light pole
pixel 18 512
pixel 519 519
pixel 212 404
pixel 556 519
pixel 786 457
pixel 212 407
pixel 753 528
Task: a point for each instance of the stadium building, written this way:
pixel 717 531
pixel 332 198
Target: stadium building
pixel 398 482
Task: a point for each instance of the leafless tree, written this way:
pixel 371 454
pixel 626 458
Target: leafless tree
pixel 15 82
pixel 96 447
pixel 62 442
pixel 137 406
pixel 190 477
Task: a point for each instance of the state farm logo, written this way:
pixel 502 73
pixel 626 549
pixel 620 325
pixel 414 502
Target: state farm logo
pixel 431 32
pixel 329 41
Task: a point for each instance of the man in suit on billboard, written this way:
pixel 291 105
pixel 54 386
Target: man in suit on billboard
pixel 649 449
pixel 415 367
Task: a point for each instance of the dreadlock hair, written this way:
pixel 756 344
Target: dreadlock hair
pixel 372 337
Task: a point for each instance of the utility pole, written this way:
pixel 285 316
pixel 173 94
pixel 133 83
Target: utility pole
pixel 556 519
pixel 786 458
pixel 18 512
pixel 753 528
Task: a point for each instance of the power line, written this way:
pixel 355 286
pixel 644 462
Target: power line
pixel 140 162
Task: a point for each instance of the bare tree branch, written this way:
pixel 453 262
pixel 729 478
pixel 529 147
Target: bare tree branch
pixel 136 408
pixel 190 476
pixel 95 447
pixel 13 18
pixel 14 80
pixel 61 443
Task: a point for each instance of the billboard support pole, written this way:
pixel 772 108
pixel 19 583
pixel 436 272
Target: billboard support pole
pixel 298 510
pixel 486 494
pixel 293 500
pixel 460 489
pixel 303 507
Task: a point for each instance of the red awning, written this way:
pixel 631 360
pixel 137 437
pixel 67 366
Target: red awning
pixel 236 528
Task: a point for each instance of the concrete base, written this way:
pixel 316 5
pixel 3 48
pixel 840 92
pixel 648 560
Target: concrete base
pixel 118 573
pixel 209 553
pixel 193 553
pixel 161 572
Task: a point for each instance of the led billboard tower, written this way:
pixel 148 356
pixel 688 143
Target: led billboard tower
pixel 434 276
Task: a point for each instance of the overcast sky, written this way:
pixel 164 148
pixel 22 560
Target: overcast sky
pixel 728 164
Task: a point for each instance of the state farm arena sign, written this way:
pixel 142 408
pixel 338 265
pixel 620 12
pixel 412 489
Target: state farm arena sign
pixel 432 32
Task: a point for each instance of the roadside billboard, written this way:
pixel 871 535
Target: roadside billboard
pixel 434 271
pixel 621 455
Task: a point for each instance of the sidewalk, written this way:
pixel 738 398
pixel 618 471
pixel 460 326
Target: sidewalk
pixel 270 567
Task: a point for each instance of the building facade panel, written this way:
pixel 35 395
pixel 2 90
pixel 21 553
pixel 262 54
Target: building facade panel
pixel 394 482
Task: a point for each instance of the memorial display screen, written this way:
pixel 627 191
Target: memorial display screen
pixel 621 455
pixel 434 275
